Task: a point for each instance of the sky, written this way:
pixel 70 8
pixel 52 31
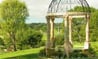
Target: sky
pixel 38 9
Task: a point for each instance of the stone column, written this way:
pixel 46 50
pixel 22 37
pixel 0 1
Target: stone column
pixel 67 44
pixel 66 28
pixel 86 44
pixel 52 32
pixel 70 29
pixel 48 33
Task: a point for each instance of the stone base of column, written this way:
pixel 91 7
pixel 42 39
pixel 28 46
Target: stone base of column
pixel 86 45
pixel 68 48
pixel 50 52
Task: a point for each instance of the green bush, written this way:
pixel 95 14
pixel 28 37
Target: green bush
pixel 26 47
pixel 78 53
pixel 42 52
pixel 52 53
pixel 33 40
pixel 59 39
pixel 1 41
pixel 94 48
pixel 42 43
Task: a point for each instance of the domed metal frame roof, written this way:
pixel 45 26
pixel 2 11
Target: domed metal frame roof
pixel 60 6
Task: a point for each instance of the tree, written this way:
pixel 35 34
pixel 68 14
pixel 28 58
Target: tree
pixel 79 24
pixel 1 41
pixel 33 39
pixel 13 14
pixel 94 26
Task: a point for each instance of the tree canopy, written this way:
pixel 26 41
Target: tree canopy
pixel 13 14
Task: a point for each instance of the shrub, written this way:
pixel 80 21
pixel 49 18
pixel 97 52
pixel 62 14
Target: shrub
pixel 59 39
pixel 42 52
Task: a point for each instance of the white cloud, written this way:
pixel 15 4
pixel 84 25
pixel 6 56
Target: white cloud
pixel 93 3
pixel 38 8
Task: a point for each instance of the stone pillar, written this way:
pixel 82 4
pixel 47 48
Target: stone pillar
pixel 67 44
pixel 48 33
pixel 66 28
pixel 70 29
pixel 86 44
pixel 52 32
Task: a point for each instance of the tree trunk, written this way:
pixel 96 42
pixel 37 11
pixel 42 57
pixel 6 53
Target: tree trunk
pixel 12 36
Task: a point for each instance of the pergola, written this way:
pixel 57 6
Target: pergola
pixel 61 9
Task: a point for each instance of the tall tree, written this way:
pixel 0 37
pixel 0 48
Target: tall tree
pixel 13 14
pixel 79 24
pixel 94 26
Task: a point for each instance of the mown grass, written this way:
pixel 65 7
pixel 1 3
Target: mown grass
pixel 33 54
pixel 28 56
pixel 21 53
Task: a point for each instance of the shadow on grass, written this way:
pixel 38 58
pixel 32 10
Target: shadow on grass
pixel 29 56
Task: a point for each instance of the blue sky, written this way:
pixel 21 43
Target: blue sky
pixel 38 9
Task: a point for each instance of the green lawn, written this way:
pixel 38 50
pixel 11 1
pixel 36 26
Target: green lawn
pixel 33 54
pixel 28 56
pixel 30 52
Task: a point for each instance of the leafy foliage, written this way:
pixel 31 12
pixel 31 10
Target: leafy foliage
pixel 33 39
pixel 1 41
pixel 13 14
pixel 94 26
pixel 79 26
pixel 59 39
